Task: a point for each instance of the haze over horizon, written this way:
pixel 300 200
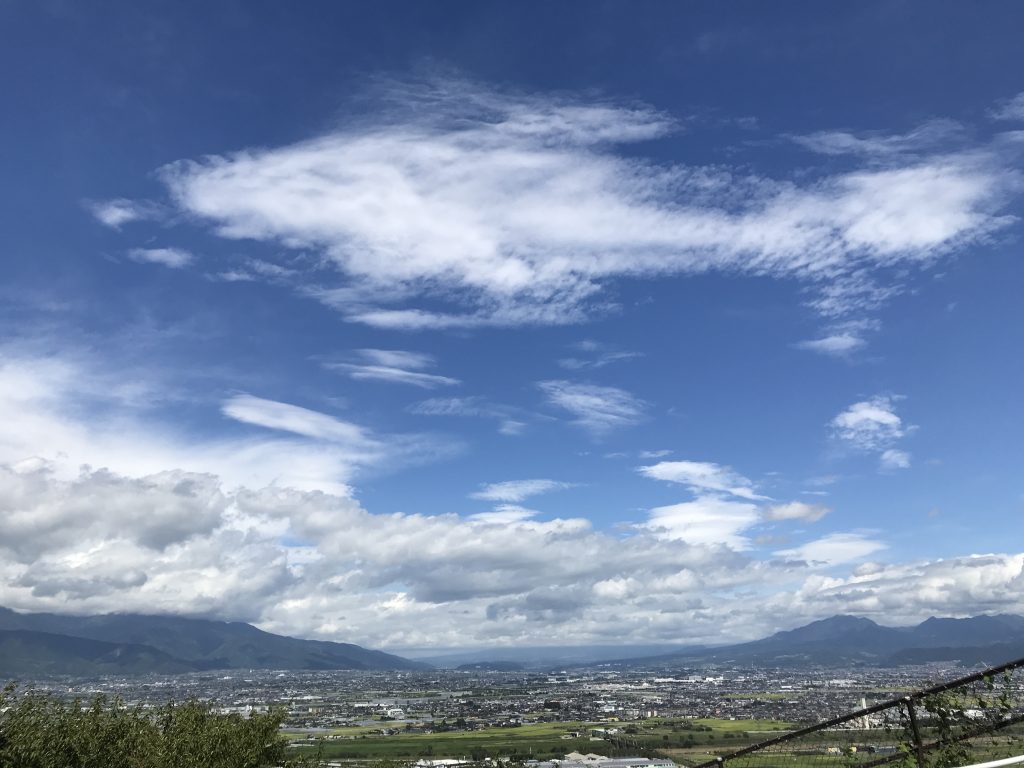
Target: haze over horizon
pixel 485 324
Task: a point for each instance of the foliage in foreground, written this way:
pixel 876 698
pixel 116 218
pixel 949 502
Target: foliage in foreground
pixel 40 731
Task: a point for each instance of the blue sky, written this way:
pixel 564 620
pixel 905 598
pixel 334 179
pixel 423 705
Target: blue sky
pixel 436 325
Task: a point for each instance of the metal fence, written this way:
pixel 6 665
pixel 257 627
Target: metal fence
pixel 969 720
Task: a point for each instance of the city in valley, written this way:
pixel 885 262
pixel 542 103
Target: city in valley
pixel 670 713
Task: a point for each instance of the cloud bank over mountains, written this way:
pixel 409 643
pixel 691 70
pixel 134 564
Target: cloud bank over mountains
pixel 263 527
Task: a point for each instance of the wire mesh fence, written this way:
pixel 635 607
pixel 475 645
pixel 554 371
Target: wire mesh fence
pixel 973 719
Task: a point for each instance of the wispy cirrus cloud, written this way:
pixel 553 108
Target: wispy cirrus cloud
pixel 395 366
pixel 505 514
pixel 458 205
pixel 175 258
pixel 68 411
pixel 842 339
pixel 834 549
pixel 702 476
pixel 707 520
pixel 880 145
pixel 518 490
pixel 250 270
pixel 595 408
pixel 511 421
pixel 593 354
pixel 1010 109
pixel 285 417
pixel 838 345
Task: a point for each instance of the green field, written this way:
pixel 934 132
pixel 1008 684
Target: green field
pixel 688 742
pixel 544 739
pixel 541 739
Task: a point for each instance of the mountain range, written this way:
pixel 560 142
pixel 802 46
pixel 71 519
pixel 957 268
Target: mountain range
pixel 35 644
pixel 41 644
pixel 852 640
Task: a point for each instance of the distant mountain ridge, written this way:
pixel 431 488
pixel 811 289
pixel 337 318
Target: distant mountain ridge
pixel 853 639
pixel 26 653
pixel 33 644
pixel 39 644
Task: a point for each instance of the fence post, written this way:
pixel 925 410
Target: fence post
pixel 915 732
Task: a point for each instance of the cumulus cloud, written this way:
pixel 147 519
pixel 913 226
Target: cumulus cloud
pixel 870 425
pixel 894 459
pixel 407 580
pixel 702 476
pixel 456 205
pixel 596 409
pixel 115 213
pixel 395 366
pixel 796 510
pixel 260 534
pixel 155 511
pixel 175 258
pixel 517 490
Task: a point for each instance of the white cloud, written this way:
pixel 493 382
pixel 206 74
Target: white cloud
pixel 65 411
pixel 511 209
pixel 596 355
pixel 834 549
pixel 517 490
pixel 182 543
pixel 1011 109
pixel 175 258
pixel 394 375
pixel 165 521
pixel 505 514
pixel 395 366
pixel 398 358
pixel 512 427
pixel 796 510
pixel 883 146
pixel 870 425
pixel 894 459
pixel 597 409
pixel 114 213
pixel 452 406
pixel 250 270
pixel 292 418
pixel 511 421
pixel 707 520
pixel 839 344
pixel 702 476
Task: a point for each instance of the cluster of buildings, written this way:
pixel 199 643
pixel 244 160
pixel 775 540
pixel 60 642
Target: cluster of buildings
pixel 440 700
